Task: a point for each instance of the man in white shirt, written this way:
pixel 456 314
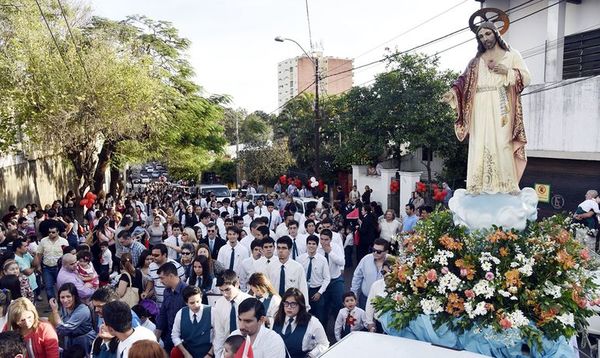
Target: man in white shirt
pixel 251 215
pixel 241 206
pixel 117 320
pixel 390 227
pixel 336 238
pixel 317 275
pixel 259 209
pixel 266 258
pixel 215 217
pixel 273 216
pixel 227 207
pixel 302 223
pixel 287 273
pixel 254 233
pixel 250 264
pixel 225 310
pixel 334 254
pixel 174 242
pixel 265 342
pixel 282 229
pixel 298 241
pixel 232 254
pixel 201 226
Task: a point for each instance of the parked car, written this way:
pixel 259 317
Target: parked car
pixel 221 191
pixel 253 197
pixel 305 204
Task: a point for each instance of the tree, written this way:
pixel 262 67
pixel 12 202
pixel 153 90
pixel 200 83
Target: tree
pixel 266 162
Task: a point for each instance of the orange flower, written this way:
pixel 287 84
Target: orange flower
pixel 563 236
pixel 421 281
pixel 512 278
pixel 402 272
pixel 565 259
pixel 504 251
pixel 419 260
pixel 450 244
pixel 466 270
pixel 456 305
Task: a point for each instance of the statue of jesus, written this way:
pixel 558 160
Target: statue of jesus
pixel 487 101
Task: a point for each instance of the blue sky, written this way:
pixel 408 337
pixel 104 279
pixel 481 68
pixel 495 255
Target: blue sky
pixel 233 51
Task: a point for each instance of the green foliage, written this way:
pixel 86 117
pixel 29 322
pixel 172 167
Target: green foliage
pixel 266 162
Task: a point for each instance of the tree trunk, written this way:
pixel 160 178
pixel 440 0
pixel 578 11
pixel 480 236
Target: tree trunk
pixel 104 158
pixel 116 185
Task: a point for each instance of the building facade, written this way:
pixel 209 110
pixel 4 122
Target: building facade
pixel 297 74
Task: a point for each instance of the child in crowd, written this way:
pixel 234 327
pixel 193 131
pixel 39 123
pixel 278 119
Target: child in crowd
pixel 11 267
pixel 144 317
pixel 350 318
pixel 86 270
pixel 234 346
pixel 105 262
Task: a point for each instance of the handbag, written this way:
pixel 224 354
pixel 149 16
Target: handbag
pixel 131 296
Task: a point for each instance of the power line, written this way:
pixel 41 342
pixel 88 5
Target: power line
pixel 54 39
pixel 62 11
pixel 293 98
pixel 385 58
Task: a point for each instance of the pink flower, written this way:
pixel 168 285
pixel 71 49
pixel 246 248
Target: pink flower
pixel 445 270
pixel 585 254
pixel 505 323
pixel 469 293
pixel 489 276
pixel 398 297
pixel 431 275
pixel 463 272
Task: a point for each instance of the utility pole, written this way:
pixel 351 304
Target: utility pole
pixel 317 163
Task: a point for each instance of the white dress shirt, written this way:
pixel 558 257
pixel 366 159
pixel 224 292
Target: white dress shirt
pixel 229 209
pixel 224 256
pixel 300 241
pixel 320 275
pixel 389 229
pixel 336 260
pixel 337 239
pixel 281 230
pixel 247 241
pixel 267 344
pixel 139 334
pixel 176 332
pixel 273 308
pixel 315 340
pixel 262 263
pixel 246 269
pixel 274 218
pixel 360 321
pixel 203 230
pixel 220 315
pixel 295 276
pixel 175 241
pixel 377 290
pixel 260 211
pixel 248 219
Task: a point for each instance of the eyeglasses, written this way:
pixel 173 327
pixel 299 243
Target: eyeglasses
pixel 379 251
pixel 52 232
pixel 290 304
pixel 211 230
pixel 186 253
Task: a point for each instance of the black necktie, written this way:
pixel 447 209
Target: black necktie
pixel 232 320
pixel 282 281
pixel 195 319
pixel 288 330
pixel 294 250
pixel 309 271
pixel 270 217
pixel 327 256
pixel 232 258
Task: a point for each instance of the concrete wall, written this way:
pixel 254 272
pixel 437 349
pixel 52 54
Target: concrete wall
pixel 37 181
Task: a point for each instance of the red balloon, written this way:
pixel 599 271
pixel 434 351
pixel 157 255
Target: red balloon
pixel 298 183
pixel 83 202
pixel 321 185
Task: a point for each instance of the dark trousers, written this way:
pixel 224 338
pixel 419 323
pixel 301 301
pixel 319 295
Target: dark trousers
pixel 316 307
pixel 50 274
pixel 333 298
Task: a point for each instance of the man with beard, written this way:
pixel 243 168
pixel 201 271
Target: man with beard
pixel 487 101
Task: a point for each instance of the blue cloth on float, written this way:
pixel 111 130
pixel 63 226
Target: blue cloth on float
pixel 507 343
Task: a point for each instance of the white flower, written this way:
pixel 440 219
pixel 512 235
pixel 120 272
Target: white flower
pixel 567 319
pixel 442 257
pixel 551 289
pixel 504 293
pixel 514 264
pixel 517 319
pixel 479 309
pixel 486 266
pixel 448 282
pixel 431 306
pixel 526 270
pixel 483 288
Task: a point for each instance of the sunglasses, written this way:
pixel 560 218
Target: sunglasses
pixel 52 232
pixel 186 253
pixel 211 231
pixel 379 251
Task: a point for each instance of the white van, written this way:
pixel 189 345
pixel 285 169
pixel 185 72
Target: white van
pixel 221 191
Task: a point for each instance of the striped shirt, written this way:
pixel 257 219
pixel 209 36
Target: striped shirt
pixel 159 288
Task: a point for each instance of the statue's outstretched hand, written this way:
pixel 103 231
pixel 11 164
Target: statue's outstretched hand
pixel 500 69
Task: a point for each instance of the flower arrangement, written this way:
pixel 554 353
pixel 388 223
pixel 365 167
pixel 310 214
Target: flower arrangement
pixel 537 281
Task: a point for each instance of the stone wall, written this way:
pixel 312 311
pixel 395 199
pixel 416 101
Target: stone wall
pixel 39 181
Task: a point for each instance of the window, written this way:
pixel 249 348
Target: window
pixel 581 56
pixel 426 154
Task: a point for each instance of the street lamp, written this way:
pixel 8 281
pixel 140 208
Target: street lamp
pixel 317 123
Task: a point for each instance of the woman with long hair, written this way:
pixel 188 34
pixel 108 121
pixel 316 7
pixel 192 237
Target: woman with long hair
pixel 144 266
pixel 302 333
pixel 5 300
pixel 40 337
pixel 216 268
pixel 101 232
pixel 261 288
pixel 156 230
pixel 130 277
pixel 201 277
pixel 72 318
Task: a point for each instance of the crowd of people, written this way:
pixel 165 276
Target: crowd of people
pixel 196 276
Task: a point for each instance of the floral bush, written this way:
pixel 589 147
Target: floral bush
pixel 537 280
